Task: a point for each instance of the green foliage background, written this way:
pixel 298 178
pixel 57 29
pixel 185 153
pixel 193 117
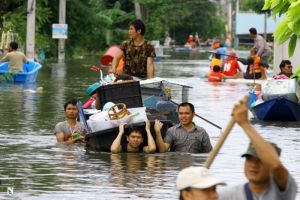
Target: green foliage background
pixel 289 27
pixel 254 5
pixel 93 25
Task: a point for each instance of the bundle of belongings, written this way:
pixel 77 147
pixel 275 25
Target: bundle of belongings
pixel 287 88
pixel 113 115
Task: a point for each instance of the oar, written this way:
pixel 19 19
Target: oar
pixel 206 120
pixel 82 116
pixel 219 144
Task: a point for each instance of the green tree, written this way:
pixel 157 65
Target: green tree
pixel 13 15
pixel 254 5
pixel 95 24
pixel 113 20
pixel 289 27
pixel 182 18
pixel 14 20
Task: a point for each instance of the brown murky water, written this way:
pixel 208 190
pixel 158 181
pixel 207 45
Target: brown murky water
pixel 34 167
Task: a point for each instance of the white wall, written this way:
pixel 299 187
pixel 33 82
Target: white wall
pixel 281 53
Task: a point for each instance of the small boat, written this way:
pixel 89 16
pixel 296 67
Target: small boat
pixel 136 94
pixel 159 51
pixel 279 101
pixel 277 109
pixel 183 49
pixel 154 86
pixel 29 74
pixel 159 57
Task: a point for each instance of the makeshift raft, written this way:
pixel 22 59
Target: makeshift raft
pixel 148 94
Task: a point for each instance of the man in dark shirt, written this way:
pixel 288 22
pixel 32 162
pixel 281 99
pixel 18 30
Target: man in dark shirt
pixel 138 53
pixel 185 136
pixel 286 68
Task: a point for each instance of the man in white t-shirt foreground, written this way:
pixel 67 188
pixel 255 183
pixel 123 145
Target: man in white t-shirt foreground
pixel 268 179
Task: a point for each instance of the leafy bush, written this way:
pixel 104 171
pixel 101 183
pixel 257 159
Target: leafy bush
pixel 289 27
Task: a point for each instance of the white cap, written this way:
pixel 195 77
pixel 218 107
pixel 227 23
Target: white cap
pixel 196 177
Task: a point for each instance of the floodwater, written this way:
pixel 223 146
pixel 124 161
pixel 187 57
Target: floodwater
pixel 33 166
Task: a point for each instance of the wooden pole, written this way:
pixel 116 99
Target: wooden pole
pixel 229 20
pixel 30 32
pixel 265 26
pixel 235 10
pixel 62 20
pixel 219 144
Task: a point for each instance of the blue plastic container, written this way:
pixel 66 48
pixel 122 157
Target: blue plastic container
pixel 92 88
pixel 252 99
pixel 150 102
pixel 29 74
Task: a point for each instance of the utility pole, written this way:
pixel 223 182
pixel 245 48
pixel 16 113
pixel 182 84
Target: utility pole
pixel 235 10
pixel 138 12
pixel 62 20
pixel 229 31
pixel 30 32
pixel 265 26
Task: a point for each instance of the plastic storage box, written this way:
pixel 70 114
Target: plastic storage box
pixel 287 88
pixel 128 92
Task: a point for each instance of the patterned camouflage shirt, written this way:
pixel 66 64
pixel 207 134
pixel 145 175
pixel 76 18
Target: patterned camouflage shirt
pixel 135 58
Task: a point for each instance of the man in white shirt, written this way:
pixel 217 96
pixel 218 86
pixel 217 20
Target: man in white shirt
pixel 268 179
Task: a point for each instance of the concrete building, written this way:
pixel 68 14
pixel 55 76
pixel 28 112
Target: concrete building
pixel 246 20
pixel 281 53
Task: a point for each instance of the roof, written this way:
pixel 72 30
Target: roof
pixel 246 20
pixel 158 79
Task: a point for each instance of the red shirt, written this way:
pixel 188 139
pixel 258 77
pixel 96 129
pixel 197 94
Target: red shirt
pixel 231 67
pixel 215 76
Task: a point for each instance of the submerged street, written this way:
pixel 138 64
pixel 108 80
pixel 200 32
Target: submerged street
pixel 39 168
